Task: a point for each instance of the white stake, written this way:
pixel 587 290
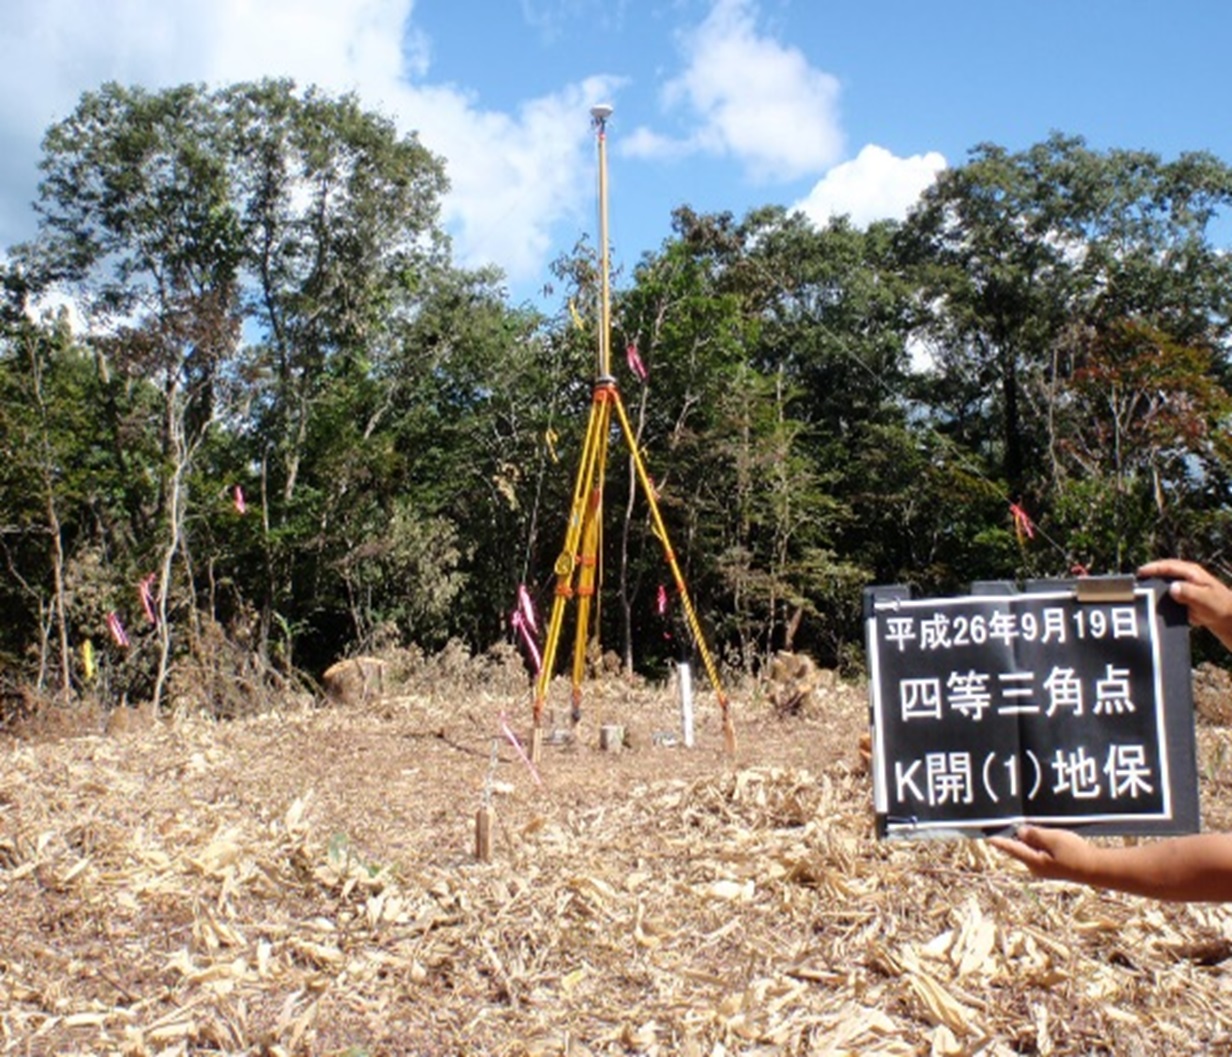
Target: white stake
pixel 686 703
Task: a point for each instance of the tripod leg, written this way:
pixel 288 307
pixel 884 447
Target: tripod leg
pixel 589 562
pixel 567 564
pixel 586 596
pixel 729 732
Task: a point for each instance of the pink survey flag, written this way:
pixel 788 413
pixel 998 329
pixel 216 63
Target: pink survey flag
pixel 1023 525
pixel 146 590
pixel 532 647
pixel 117 629
pixel 527 607
pixel 517 745
pixel 635 362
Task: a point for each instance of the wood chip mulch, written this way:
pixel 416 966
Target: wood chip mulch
pixel 305 882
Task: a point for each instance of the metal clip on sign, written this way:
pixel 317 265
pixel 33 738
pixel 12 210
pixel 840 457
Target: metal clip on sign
pixel 1097 589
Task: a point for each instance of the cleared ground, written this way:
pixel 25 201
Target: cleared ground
pixel 304 881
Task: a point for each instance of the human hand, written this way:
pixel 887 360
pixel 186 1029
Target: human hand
pixel 1053 854
pixel 1207 599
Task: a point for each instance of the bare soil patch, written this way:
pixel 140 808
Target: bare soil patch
pixel 304 882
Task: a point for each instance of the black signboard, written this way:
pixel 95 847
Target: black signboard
pixel 1066 703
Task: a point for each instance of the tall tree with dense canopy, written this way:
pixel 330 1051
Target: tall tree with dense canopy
pixel 1033 266
pixel 187 221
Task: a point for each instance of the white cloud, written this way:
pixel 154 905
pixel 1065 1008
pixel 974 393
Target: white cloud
pixel 53 50
pixel 754 99
pixel 644 142
pixel 551 18
pixel 513 175
pixel 875 185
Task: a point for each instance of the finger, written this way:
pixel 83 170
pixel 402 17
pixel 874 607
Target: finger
pixel 1032 837
pixel 1014 848
pixel 1047 845
pixel 1009 846
pixel 1033 860
pixel 1161 567
pixel 1174 568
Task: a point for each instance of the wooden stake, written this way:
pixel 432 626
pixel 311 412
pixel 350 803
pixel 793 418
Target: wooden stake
pixel 483 834
pixel 536 746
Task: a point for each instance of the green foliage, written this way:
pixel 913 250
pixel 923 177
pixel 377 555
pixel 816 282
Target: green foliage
pixel 273 310
pixel 1013 252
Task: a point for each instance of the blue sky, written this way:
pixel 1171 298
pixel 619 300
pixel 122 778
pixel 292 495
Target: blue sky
pixel 719 104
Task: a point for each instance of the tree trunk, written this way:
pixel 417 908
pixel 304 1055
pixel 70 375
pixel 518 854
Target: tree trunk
pixel 53 528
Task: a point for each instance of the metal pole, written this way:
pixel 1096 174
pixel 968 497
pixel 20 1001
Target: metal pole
pixel 600 114
pixel 578 571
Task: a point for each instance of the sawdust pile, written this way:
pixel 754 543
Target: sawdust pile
pixel 304 882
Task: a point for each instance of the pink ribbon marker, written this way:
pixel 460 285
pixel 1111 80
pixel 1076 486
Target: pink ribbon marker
pixel 117 629
pixel 527 607
pixel 635 362
pixel 145 590
pixel 520 622
pixel 1023 525
pixel 517 745
pixel 523 618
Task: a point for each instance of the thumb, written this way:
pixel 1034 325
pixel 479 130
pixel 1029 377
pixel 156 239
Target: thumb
pixel 1181 591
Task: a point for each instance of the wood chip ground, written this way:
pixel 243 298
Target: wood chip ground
pixel 305 882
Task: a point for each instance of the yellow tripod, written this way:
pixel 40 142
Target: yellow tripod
pixel 577 568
